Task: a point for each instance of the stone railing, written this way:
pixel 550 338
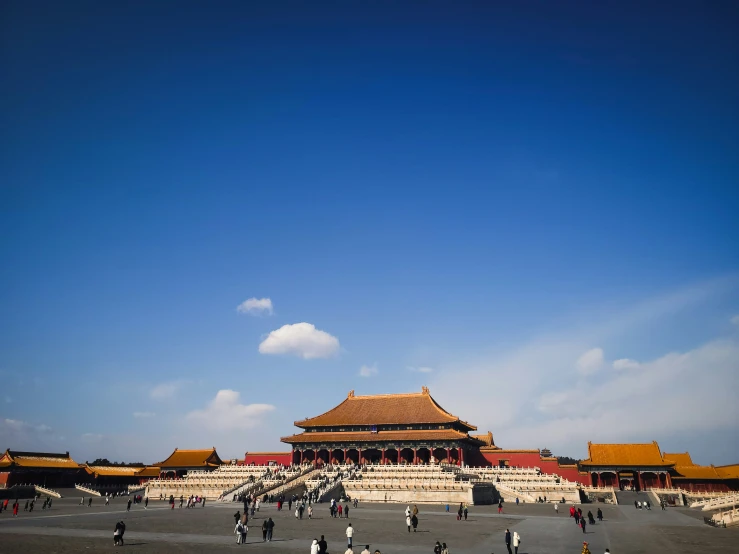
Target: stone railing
pixel 725 501
pixel 47 492
pixel 88 490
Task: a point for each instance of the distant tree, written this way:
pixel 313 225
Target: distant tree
pixel 566 460
pixel 107 462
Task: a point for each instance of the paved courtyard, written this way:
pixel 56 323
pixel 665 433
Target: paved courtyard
pixel 69 527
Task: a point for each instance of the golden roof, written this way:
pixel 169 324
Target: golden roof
pixel 680 459
pixel 191 458
pixel 148 471
pixel 625 455
pixel 728 472
pixel 384 436
pixel 13 458
pixel 696 472
pixel 114 471
pixel 384 409
pixel 486 439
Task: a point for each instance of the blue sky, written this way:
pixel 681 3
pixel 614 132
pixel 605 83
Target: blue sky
pixel 512 197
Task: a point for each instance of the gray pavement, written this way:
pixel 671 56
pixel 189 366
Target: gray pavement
pixel 69 527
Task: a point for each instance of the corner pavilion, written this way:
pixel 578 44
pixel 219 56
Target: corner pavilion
pixel 385 429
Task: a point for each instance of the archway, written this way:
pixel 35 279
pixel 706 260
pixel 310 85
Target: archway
pixel 405 456
pixel 352 456
pixel 371 456
pixel 454 456
pixel 391 456
pixel 309 456
pixel 337 456
pixel 424 455
pixel 440 455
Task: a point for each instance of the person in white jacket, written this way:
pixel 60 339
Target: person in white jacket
pixel 516 542
pixel 314 547
pixel 349 535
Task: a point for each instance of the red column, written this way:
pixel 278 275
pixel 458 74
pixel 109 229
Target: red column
pixel 668 480
pixel 382 457
pixel 345 455
pixel 359 456
pixel 415 456
pixel 639 480
pixel 461 457
pixel 448 455
pixel 302 453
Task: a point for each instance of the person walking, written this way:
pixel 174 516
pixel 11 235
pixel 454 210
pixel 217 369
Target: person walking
pixel 346 510
pixel 237 531
pixel 408 523
pixel 585 549
pixel 600 514
pixel 270 529
pixel 123 531
pixel 25 509
pixel 583 524
pixel 117 534
pixel 89 502
pixel 460 511
pixel 349 535
pixel 516 542
pixel 556 508
pixel 349 550
pixel 264 531
pixel 310 512
pixel 444 549
pixel 128 506
pixel 322 546
pixel 341 509
pixel 366 548
pixel 15 508
pixel 414 522
pixel 500 506
pixel 30 509
pixel 146 503
pixel 314 547
pixel 465 513
pixel 107 500
pixel 437 548
pixel 508 539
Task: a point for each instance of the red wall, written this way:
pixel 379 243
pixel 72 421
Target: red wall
pixel 4 478
pixel 533 459
pixel 264 458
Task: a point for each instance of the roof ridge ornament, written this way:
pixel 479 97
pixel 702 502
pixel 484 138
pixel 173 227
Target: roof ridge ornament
pixel 351 394
pixel 425 389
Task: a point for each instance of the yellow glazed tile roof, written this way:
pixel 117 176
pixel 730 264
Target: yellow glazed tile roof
pixel 382 436
pixel 37 460
pixel 384 409
pixel 625 455
pixel 191 458
pixel 728 472
pixel 680 459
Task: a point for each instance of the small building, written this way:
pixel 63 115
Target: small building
pixel 625 466
pixel 385 429
pixel 53 470
pixel 696 478
pixel 182 461
pixel 119 477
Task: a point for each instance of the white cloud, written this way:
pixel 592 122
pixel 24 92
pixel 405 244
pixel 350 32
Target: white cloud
pixel 226 413
pixel 539 395
pixel 302 340
pixel 368 370
pixel 422 369
pixel 256 306
pixel 92 437
pixel 143 415
pixel 625 364
pixel 18 426
pixel 735 319
pixel 165 391
pixel 590 362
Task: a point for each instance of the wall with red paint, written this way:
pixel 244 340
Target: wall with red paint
pixel 533 459
pixel 264 458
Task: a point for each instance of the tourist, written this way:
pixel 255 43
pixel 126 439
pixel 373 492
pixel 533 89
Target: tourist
pixel 117 534
pixel 577 518
pixel 237 531
pixel 146 503
pixel 556 507
pixel 25 509
pixel 516 542
pixel 582 524
pixel 237 517
pixel 31 508
pixel 465 512
pixel 585 549
pixel 437 548
pixel 600 514
pixel 270 529
pixel 444 549
pixel 322 546
pixel 107 500
pixel 349 550
pixel 591 519
pixel 408 523
pixel 366 548
pixel 82 501
pixel 517 501
pixel 572 511
pixel 349 535
pixel 649 506
pixel 346 511
pixel 460 511
pixel 123 530
pixel 415 510
pixel 128 507
pixel 500 506
pixel 508 540
pixel 314 547
pixel 89 502
pixel 15 508
pixel 310 512
pixel 341 509
pixel 264 531
pixel 408 511
pixel 414 522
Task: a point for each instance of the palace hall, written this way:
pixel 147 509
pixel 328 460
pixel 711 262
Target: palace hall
pixel 385 429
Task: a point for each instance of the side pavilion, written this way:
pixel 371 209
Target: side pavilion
pixel 625 465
